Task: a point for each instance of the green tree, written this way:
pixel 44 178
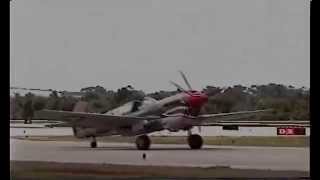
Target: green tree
pixel 39 103
pixel 54 101
pixel 28 111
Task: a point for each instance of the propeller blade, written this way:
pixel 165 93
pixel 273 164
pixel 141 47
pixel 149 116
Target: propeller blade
pixel 178 86
pixel 185 80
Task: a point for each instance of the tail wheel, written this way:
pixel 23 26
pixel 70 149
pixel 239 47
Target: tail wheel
pixel 195 141
pixel 93 144
pixel 143 142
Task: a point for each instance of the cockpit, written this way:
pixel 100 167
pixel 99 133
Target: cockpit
pixel 132 106
pixel 137 105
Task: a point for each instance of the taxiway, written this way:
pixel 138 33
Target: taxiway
pixel 273 158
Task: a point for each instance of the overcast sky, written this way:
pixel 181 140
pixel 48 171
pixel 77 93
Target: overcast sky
pixel 70 44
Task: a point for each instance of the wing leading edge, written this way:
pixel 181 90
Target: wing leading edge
pixel 214 118
pixel 235 118
pixel 95 119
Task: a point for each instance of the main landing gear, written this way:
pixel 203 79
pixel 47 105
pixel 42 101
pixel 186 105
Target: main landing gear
pixel 195 141
pixel 143 142
pixel 93 143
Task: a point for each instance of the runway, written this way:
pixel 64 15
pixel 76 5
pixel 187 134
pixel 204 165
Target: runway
pixel 244 157
pixel 38 129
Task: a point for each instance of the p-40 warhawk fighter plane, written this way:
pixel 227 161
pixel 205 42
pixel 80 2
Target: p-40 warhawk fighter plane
pixel 139 118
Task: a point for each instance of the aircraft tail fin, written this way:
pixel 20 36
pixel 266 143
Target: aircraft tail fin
pixel 81 106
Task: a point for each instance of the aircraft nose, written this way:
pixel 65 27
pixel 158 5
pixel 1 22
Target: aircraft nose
pixel 197 100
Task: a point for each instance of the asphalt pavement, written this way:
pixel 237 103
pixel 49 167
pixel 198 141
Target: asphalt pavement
pixel 243 157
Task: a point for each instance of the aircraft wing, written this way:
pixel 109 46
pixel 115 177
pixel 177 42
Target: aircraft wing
pixel 90 119
pixel 260 123
pixel 241 119
pixel 206 119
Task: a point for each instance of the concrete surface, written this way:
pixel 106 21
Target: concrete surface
pixel 275 158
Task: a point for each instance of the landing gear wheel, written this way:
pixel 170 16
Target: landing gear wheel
pixel 143 142
pixel 93 143
pixel 195 141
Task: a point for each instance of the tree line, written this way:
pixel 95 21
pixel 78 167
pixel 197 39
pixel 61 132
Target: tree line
pixel 288 102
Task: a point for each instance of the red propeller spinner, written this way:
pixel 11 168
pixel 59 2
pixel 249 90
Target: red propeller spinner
pixel 196 99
